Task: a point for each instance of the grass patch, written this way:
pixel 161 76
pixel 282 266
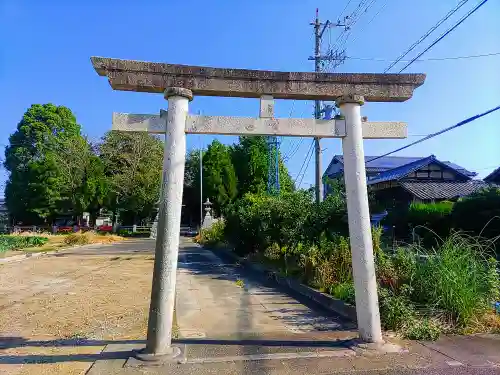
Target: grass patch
pixel 31 242
pixel 13 242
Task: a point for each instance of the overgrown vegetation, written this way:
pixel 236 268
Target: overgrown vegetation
pixel 20 242
pixel 443 284
pixel 477 214
pixel 213 236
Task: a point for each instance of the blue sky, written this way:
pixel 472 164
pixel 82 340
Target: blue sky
pixel 46 48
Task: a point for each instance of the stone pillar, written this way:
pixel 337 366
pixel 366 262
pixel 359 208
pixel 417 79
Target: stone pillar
pixel 363 263
pixel 161 310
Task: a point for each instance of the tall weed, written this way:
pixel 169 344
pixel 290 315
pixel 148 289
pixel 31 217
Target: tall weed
pixel 458 277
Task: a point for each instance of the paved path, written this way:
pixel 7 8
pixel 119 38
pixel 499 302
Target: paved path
pixel 220 300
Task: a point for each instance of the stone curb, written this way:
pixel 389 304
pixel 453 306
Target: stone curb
pixel 326 301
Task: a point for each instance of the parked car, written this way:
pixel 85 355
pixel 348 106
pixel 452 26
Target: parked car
pixel 105 228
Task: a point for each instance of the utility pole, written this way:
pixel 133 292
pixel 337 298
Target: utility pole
pixel 319 29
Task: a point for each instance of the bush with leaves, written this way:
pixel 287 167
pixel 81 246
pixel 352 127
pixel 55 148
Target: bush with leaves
pixel 479 213
pixel 256 221
pixel 9 242
pixel 396 311
pixel 213 236
pixel 344 291
pixel 430 221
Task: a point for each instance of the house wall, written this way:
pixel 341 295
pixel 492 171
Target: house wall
pixel 393 196
pixel 435 172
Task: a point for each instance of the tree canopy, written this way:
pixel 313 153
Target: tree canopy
pixel 229 172
pixel 35 190
pixel 56 171
pixel 132 164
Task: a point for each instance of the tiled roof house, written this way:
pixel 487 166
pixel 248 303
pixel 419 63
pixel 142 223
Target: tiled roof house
pixel 412 178
pixel 493 177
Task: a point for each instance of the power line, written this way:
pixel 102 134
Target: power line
pixel 292 153
pixel 371 20
pixel 446 33
pixel 353 19
pixel 309 153
pixel 429 59
pixel 430 31
pixel 461 123
pixel 343 10
pixel 307 165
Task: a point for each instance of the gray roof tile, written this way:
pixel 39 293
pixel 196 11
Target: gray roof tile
pixel 442 189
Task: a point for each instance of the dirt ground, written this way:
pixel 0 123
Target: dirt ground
pixel 69 306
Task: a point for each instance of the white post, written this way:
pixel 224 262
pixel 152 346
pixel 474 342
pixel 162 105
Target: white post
pixel 161 311
pixel 363 263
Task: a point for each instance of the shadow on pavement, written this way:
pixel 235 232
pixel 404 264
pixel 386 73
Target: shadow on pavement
pixel 39 359
pixel 16 342
pixel 266 342
pixel 197 262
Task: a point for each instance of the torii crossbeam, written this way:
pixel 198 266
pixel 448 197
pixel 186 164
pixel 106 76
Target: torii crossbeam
pixel 179 83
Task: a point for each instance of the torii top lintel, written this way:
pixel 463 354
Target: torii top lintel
pixel 142 76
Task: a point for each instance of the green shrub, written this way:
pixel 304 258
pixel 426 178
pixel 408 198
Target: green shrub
pixel 9 242
pixel 458 277
pixel 479 213
pixel 256 222
pixel 327 218
pixel 335 264
pixel 344 291
pixel 430 221
pixel 214 235
pixel 423 329
pixel 396 311
pixel 130 233
pixel 427 220
pixel 405 265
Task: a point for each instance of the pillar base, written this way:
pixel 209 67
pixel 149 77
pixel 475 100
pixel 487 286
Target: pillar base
pixel 141 358
pixel 375 348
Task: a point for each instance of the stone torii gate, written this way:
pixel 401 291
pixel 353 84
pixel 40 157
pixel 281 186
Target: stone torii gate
pixel 179 83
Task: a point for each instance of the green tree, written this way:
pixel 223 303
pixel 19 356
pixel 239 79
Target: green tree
pixel 191 211
pixel 95 188
pixel 251 160
pixel 81 178
pixel 34 189
pixel 219 176
pixel 132 163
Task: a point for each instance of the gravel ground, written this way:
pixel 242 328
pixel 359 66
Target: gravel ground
pixel 71 303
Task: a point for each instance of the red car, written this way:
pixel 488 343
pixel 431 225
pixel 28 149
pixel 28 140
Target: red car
pixel 105 228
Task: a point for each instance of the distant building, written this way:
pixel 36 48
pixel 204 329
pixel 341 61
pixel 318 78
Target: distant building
pixel 493 177
pixel 407 179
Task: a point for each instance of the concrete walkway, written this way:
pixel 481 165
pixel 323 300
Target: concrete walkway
pixel 217 300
